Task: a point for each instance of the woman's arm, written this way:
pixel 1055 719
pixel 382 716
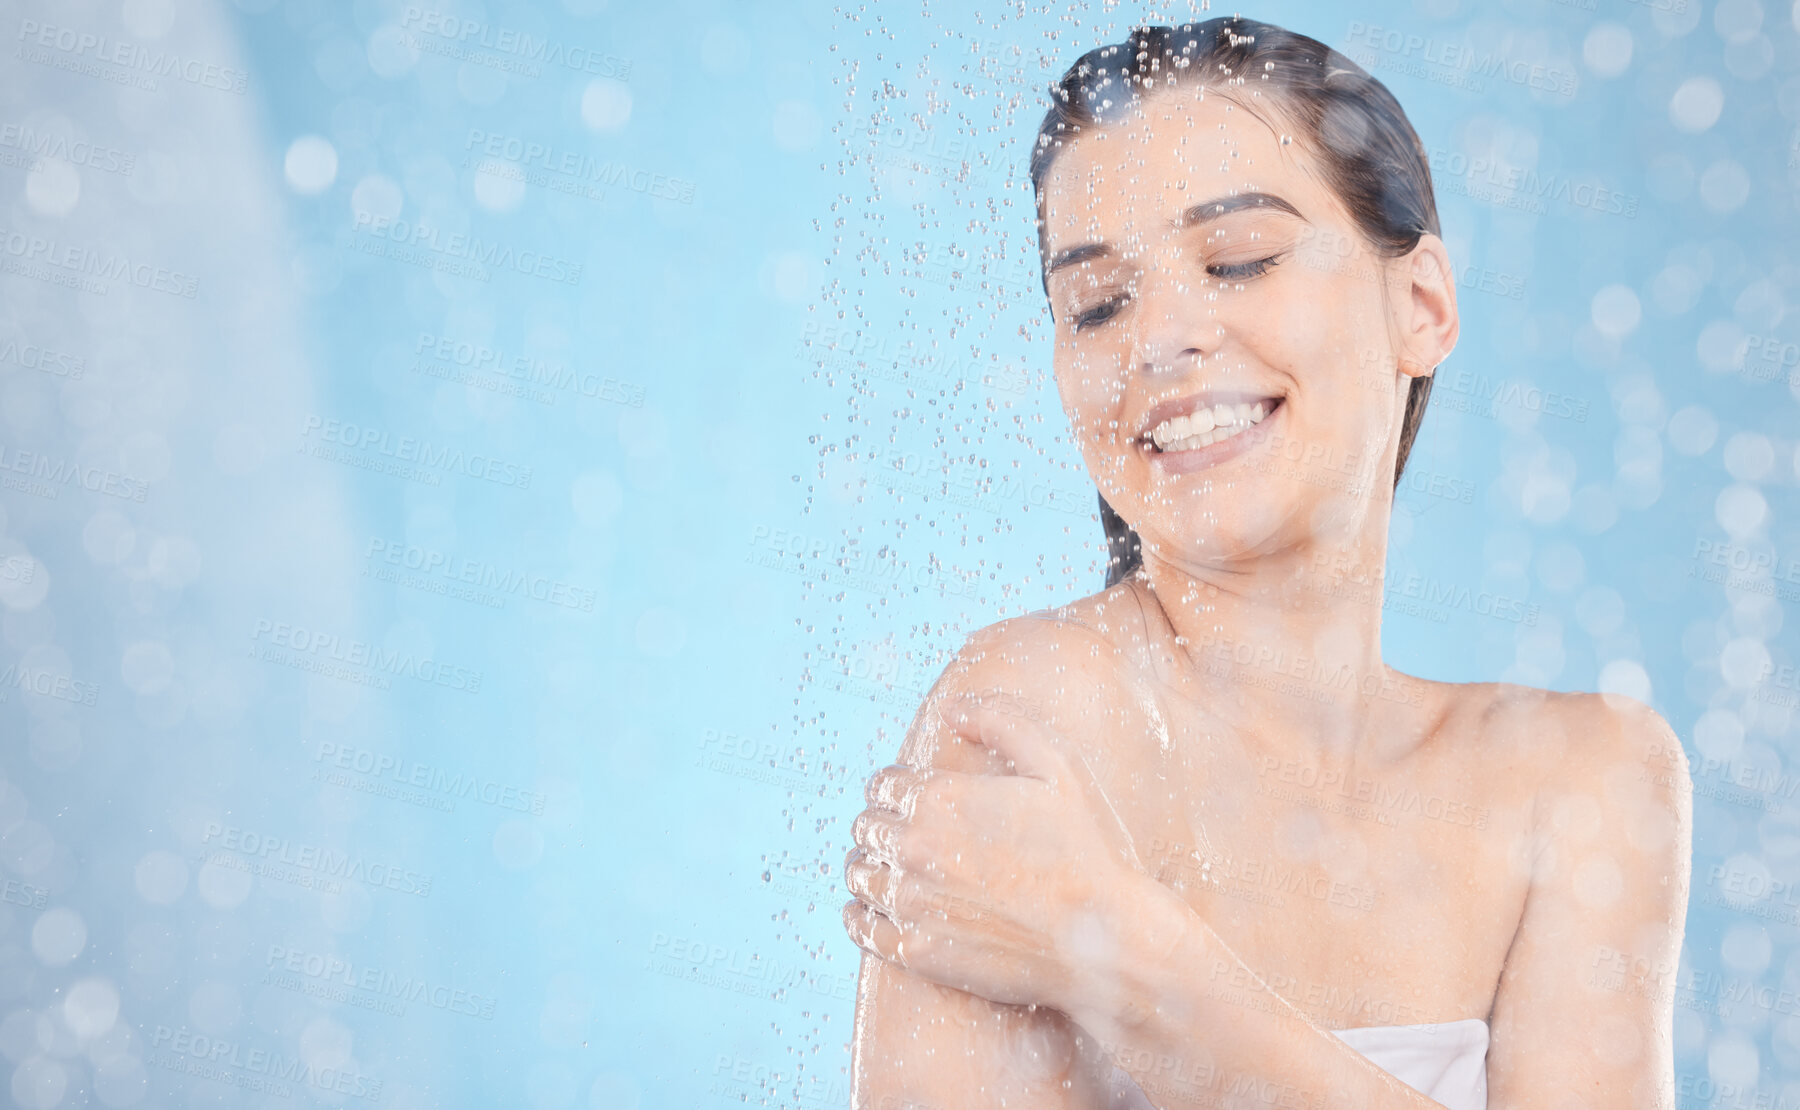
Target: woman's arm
pixel 1006 888
pixel 1188 1046
pixel 918 1044
pixel 1030 890
pixel 1585 1010
pixel 922 1046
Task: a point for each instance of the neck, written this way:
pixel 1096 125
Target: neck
pixel 1287 646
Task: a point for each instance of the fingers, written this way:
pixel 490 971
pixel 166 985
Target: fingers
pixel 873 882
pixel 895 789
pixel 878 833
pixel 914 815
pixel 873 932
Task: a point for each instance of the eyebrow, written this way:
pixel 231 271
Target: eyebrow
pixel 1204 212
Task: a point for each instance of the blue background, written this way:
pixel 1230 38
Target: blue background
pixel 451 681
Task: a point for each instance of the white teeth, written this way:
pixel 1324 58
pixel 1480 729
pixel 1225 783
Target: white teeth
pixel 1207 426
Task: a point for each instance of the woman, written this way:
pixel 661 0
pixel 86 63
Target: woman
pixel 1189 841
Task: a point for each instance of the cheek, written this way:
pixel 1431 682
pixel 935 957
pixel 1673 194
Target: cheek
pixel 1313 325
pixel 1329 337
pixel 1091 387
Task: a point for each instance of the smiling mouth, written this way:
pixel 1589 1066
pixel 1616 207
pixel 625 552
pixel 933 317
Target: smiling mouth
pixel 1207 426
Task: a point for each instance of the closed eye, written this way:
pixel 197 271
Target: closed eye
pixel 1100 313
pixel 1235 271
pixel 1238 271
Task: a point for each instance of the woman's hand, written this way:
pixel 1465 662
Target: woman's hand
pixel 999 885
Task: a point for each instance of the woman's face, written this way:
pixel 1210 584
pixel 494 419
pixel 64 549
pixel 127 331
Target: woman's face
pixel 1198 270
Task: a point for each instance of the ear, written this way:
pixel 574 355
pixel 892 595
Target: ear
pixel 1426 312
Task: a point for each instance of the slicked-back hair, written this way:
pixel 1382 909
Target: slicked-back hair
pixel 1366 149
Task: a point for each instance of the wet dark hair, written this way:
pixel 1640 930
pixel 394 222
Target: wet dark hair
pixel 1367 151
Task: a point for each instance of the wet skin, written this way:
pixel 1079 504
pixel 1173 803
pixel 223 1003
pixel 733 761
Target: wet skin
pixel 1250 812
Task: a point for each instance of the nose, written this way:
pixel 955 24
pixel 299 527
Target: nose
pixel 1178 323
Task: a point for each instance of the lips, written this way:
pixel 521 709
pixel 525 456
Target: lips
pixel 1201 419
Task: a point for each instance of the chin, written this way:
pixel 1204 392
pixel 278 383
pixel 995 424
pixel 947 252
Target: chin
pixel 1213 533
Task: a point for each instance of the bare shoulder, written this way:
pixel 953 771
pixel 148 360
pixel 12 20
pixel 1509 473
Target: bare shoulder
pixel 1601 732
pixel 1634 764
pixel 1590 761
pixel 1051 650
pixel 1064 667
